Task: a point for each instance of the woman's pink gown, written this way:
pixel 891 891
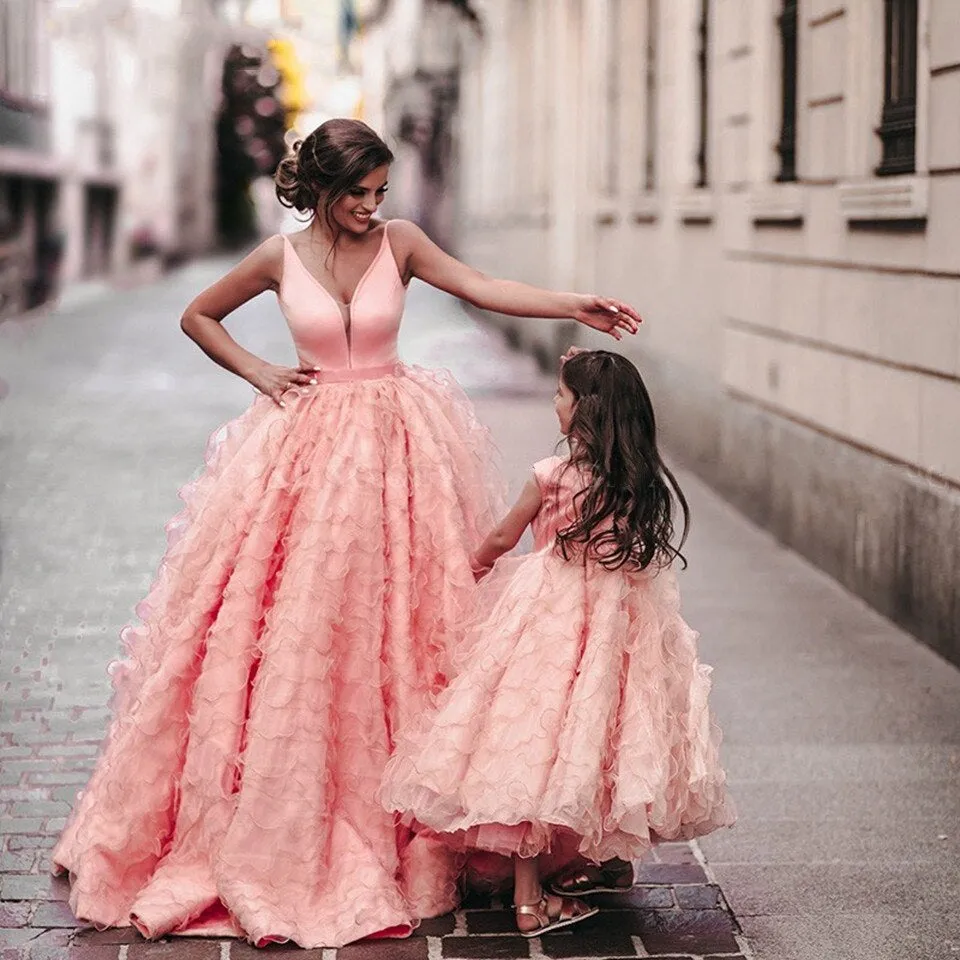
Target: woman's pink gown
pixel 579 718
pixel 302 613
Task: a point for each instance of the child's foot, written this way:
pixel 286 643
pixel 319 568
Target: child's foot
pixel 613 876
pixel 551 913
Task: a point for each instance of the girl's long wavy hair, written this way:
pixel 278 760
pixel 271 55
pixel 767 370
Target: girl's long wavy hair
pixel 625 513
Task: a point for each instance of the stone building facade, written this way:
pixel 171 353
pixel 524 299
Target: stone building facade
pixel 28 166
pixel 412 53
pixel 774 183
pixel 108 114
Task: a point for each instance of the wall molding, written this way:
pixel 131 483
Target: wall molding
pixel 886 198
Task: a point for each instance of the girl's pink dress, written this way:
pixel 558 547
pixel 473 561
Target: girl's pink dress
pixel 580 712
pixel 302 614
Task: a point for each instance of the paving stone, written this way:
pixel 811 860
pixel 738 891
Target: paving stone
pixel 22 793
pixel 626 923
pixel 491 921
pixel 49 945
pixel 17 861
pixel 55 913
pixel 588 939
pixel 20 825
pixel 58 750
pixel 15 914
pixel 35 764
pixel 241 950
pixel 42 887
pixel 415 948
pixel 486 948
pixel 40 808
pixel 112 935
pixel 671 873
pixel 67 794
pixel 74 952
pixel 638 898
pixel 34 841
pixel 12 937
pixel 436 926
pixel 698 897
pixel 60 778
pixel 688 931
pixel 176 948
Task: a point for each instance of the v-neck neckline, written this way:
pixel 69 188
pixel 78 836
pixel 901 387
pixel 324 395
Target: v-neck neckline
pixel 356 290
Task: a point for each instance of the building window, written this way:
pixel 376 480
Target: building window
pixel 650 99
pixel 609 175
pixel 703 33
pixel 898 123
pixel 787 144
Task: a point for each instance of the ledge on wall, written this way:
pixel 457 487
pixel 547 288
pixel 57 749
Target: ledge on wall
pixel 888 202
pixel 606 213
pixel 696 206
pixel 777 205
pixel 645 208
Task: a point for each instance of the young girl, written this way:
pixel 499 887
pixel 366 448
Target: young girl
pixel 580 712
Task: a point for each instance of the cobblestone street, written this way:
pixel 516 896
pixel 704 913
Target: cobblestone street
pixel 850 805
pixel 93 467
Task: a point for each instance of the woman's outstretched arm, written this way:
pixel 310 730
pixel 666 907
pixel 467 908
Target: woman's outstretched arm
pixel 202 321
pixel 426 261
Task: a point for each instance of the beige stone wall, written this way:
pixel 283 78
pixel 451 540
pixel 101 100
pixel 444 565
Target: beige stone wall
pixel 855 332
pixel 802 339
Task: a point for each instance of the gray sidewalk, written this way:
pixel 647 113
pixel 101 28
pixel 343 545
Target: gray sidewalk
pixel 842 733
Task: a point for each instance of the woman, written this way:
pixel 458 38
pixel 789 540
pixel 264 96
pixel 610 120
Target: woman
pixel 309 593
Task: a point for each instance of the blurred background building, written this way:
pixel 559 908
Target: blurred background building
pixel 774 184
pixel 131 131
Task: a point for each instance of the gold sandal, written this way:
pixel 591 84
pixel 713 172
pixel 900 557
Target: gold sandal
pixel 571 912
pixel 614 876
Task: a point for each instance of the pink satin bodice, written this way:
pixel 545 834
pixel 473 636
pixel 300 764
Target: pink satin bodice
pixel 329 335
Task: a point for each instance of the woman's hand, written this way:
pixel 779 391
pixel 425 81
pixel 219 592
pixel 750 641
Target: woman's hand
pixel 607 316
pixel 273 381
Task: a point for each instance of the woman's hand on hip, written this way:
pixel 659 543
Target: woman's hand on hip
pixel 274 381
pixel 607 315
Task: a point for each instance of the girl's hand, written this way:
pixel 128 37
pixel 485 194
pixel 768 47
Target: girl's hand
pixel 572 352
pixel 273 381
pixel 607 316
pixel 478 570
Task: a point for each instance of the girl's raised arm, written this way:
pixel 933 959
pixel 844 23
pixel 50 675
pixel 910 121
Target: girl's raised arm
pixel 202 321
pixel 507 535
pixel 426 261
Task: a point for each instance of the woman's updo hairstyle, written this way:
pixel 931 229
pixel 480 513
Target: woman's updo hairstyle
pixel 327 163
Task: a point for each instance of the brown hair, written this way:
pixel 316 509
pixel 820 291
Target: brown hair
pixel 326 164
pixel 625 511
